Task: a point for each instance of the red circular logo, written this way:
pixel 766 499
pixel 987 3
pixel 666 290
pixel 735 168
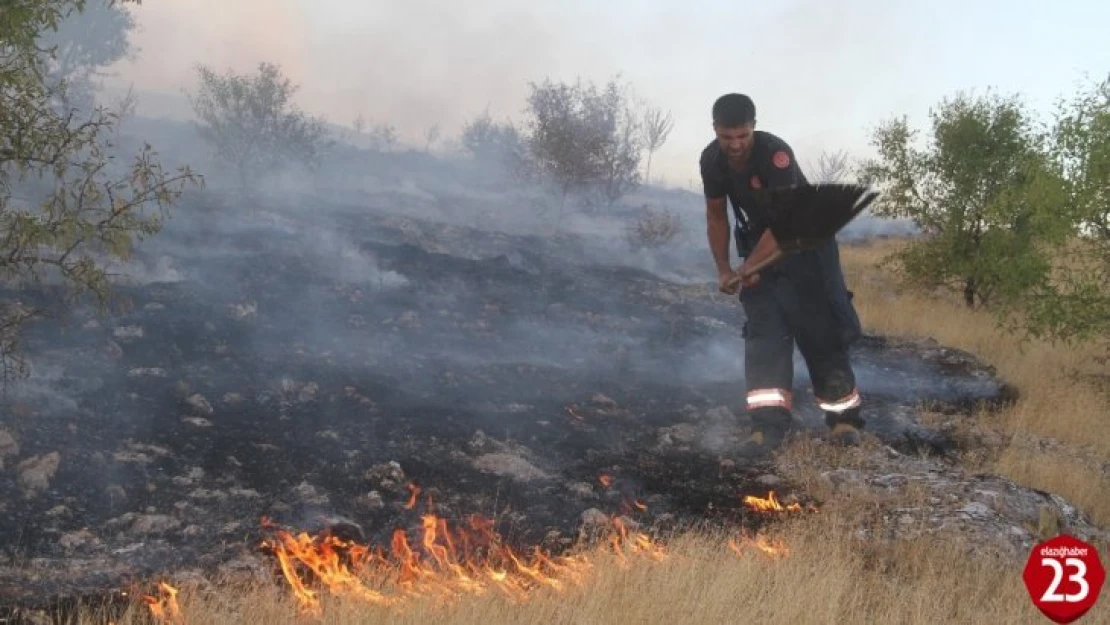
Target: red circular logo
pixel 1064 577
pixel 781 159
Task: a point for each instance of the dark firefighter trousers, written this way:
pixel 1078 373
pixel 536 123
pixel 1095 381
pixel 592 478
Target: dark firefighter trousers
pixel 803 303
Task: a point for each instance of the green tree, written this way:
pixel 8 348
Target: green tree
pixel 67 207
pixel 584 138
pixel 980 189
pixel 252 125
pixel 1082 152
pixel 82 45
pixel 1076 303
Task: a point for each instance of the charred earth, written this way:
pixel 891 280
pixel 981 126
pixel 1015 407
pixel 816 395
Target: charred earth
pixel 315 363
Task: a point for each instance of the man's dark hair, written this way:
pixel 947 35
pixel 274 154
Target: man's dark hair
pixel 733 109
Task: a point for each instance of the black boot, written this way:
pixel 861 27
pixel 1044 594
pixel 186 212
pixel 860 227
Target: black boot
pixel 769 427
pixel 845 428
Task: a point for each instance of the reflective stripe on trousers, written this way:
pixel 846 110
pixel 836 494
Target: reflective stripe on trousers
pixel 770 397
pixel 849 401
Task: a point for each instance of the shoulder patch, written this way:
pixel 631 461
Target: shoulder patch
pixel 781 159
pixel 756 184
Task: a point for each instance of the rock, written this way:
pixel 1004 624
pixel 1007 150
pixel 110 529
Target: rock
pixel 918 495
pixel 189 478
pixel 388 475
pixel 128 332
pixel 370 501
pixel 247 310
pixel 976 510
pixel 681 435
pixel 246 569
pixel 890 481
pixel 594 519
pixel 81 539
pixel 36 472
pixel 151 524
pixel 582 490
pixel 307 493
pixel 508 465
pixel 205 494
pixel 199 422
pixel 139 372
pixel 197 401
pixel 481 443
pixel 603 400
pixel 246 493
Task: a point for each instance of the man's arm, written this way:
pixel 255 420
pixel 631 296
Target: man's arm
pixel 716 210
pixel 719 232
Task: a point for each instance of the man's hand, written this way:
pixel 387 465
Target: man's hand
pixel 729 282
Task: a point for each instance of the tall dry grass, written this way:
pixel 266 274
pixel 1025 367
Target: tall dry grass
pixel 831 575
pixel 1064 395
pixel 828 577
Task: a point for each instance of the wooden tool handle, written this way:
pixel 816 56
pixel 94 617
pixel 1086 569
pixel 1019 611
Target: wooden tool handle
pixel 748 270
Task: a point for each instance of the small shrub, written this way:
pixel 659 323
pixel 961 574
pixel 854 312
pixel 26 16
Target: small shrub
pixel 653 229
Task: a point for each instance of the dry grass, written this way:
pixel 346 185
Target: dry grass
pixel 830 576
pixel 1061 397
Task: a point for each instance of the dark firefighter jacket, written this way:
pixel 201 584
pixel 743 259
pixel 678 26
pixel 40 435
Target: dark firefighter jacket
pixel 816 275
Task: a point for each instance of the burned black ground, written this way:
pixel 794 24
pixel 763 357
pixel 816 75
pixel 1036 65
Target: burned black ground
pixel 277 370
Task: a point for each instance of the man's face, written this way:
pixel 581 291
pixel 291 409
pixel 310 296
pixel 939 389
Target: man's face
pixel 736 141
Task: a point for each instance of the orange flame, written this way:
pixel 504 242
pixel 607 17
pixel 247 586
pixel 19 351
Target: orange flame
pixel 445 563
pixel 771 547
pixel 164 608
pixel 770 504
pixel 415 492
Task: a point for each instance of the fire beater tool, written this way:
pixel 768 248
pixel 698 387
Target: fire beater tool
pixel 801 217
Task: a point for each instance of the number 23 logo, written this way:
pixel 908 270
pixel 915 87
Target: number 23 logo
pixel 1051 593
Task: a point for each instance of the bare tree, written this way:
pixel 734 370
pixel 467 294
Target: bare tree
pixel 657 127
pixel 384 136
pixel 831 167
pixel 431 135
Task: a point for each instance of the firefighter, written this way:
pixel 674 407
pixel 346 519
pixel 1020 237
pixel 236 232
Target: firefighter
pixel 802 300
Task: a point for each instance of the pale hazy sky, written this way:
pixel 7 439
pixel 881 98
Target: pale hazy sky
pixel 821 73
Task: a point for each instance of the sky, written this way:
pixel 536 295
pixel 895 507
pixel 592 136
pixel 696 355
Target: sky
pixel 822 74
